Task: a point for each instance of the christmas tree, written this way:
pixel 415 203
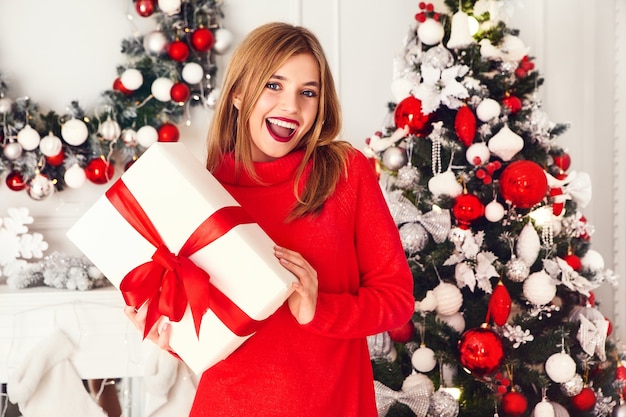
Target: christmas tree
pixel 490 217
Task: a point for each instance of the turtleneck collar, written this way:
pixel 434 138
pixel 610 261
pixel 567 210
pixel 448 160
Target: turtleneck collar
pixel 273 172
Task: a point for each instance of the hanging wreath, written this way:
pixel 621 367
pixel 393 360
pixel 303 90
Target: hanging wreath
pixel 168 70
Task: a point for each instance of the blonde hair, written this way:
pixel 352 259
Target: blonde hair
pixel 252 64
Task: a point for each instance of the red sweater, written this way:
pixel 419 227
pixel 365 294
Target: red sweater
pixel 321 369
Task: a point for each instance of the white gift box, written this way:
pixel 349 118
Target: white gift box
pixel 177 193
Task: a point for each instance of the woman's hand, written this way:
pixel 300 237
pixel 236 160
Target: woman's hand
pixel 303 301
pixel 160 332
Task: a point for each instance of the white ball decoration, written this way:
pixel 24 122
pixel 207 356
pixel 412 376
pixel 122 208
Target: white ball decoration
pixel 5 104
pixel 449 298
pixel 423 359
pixel 543 409
pixel 416 379
pixel 155 42
pixel 494 211
pixel 539 288
pixel 132 79
pixel 456 321
pixel 593 261
pixel 169 7
pixel 50 145
pixel 29 138
pixel 223 40
pixel 75 176
pixel 528 244
pixel 12 150
pixel 212 98
pixel 488 109
pixel 110 130
pixel 147 135
pixel 430 32
pixel 192 73
pixel 478 154
pixel 560 367
pixel 74 132
pixel 161 88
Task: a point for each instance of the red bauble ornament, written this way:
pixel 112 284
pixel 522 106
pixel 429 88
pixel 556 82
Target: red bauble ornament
pixel 409 113
pixel 118 86
pixel 403 333
pixel 178 51
pixel 514 404
pixel 585 400
pixel 179 92
pixel 562 161
pixel 202 40
pixel 168 132
pixel 15 181
pixel 145 8
pixel 465 125
pixel 499 305
pixel 99 171
pixel 466 209
pixel 56 160
pixel 480 350
pixel 573 261
pixel 523 184
pixel 514 104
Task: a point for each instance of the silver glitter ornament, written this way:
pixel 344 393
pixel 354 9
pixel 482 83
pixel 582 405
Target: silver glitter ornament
pixel 408 177
pixel 573 387
pixel 39 187
pixel 438 57
pixel 443 404
pixel 414 237
pixel 517 270
pixel 379 345
pixel 394 158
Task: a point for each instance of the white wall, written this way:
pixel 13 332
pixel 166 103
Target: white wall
pixel 69 50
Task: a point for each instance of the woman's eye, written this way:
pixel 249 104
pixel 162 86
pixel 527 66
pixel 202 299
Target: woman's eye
pixel 309 93
pixel 272 86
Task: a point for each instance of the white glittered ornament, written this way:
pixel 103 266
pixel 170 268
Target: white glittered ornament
pixel 147 135
pixel 132 79
pixel 449 298
pixel 423 359
pixel 430 32
pixel 438 57
pixel 29 138
pixel 560 367
pixel 39 187
pixel 593 261
pixel 477 154
pixel 539 288
pixel 494 211
pixel 488 109
pixel 109 129
pixel 456 321
pixel 528 244
pixel 192 73
pixel 413 237
pixel 505 144
pixel 74 132
pixel 161 88
pixel 155 43
pixel 445 183
pixel 74 176
pixel 517 270
pixel 223 40
pixel 543 409
pixel 443 404
pixel 12 150
pixel 573 386
pixel 50 145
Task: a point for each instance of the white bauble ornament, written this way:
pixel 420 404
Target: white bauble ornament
pixel 132 79
pixel 74 132
pixel 5 104
pixel 543 409
pixel 488 109
pixel 505 144
pixel 109 129
pixel 155 43
pixel 428 303
pixel 460 35
pixel 212 98
pixel 456 321
pixel 560 367
pixel 129 137
pixel 477 154
pixel 39 187
pixel 445 183
pixel 539 288
pixel 416 379
pixel 423 359
pixel 395 158
pixel 29 138
pixel 223 40
pixel 449 298
pixel 430 32
pixel 12 150
pixel 192 73
pixel 161 88
pixel 528 244
pixel 401 89
pixel 169 7
pixel 494 211
pixel 593 261
pixel 75 176
pixel 147 135
pixel 50 145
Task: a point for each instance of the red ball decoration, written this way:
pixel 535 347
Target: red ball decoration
pixel 514 404
pixel 465 125
pixel 523 184
pixel 573 261
pixel 403 333
pixel 585 400
pixel 118 86
pixel 480 351
pixel 168 132
pixel 499 305
pixel 409 113
pixel 202 40
pixel 466 209
pixel 56 160
pixel 179 92
pixel 15 181
pixel 514 104
pixel 562 161
pixel 145 8
pixel 178 51
pixel 99 171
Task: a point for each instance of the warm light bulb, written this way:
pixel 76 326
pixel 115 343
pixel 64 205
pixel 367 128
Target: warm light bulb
pixel 473 25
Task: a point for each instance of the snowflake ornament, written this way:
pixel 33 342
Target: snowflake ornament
pixel 16 244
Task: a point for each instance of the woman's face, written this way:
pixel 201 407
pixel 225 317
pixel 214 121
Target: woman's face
pixel 286 109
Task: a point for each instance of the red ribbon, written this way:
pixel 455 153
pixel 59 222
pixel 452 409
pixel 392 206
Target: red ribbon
pixel 171 282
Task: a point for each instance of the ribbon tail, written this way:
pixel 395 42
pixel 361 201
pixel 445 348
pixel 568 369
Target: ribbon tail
pixel 232 316
pixel 198 289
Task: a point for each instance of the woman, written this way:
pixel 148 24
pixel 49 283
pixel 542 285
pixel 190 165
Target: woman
pixel 273 145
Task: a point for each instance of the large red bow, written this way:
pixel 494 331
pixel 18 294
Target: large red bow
pixel 170 282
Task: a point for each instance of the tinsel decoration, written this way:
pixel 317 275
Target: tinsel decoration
pixel 416 397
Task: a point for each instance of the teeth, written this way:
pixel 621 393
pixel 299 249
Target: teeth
pixel 282 123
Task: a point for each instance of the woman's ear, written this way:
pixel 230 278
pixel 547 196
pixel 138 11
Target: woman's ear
pixel 237 100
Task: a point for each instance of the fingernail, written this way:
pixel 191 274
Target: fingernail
pixel 164 326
